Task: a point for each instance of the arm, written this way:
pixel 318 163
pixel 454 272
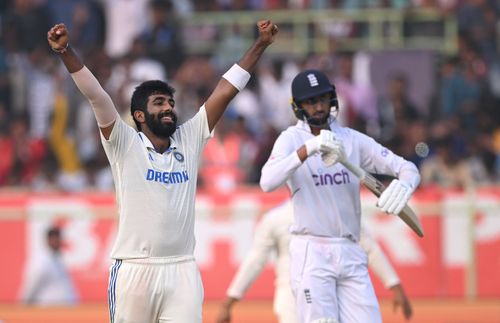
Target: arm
pixel 225 91
pixel 285 159
pixel 378 261
pixel 282 163
pixel 401 300
pixel 250 269
pixel 104 109
pixel 376 158
pixel 382 267
pixel 225 310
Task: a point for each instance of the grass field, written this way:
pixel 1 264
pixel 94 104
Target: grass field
pixel 425 311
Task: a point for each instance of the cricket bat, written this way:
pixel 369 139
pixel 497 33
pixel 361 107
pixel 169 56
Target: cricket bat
pixel 376 187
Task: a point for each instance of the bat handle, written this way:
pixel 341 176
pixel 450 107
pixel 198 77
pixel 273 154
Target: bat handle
pixel 357 171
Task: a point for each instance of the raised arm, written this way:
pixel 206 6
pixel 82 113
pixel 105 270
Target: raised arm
pixel 104 109
pixel 235 79
pixel 58 38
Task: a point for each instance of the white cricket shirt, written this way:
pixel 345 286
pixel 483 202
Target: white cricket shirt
pixel 156 192
pixel 326 200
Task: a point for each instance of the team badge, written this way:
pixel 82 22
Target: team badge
pixel 313 81
pixel 179 156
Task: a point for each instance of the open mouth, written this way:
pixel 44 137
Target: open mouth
pixel 167 117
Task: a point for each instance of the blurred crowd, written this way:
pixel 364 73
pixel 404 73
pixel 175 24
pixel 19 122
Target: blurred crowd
pixel 49 138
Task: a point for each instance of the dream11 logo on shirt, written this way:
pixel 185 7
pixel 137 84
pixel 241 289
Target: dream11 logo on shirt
pixel 167 177
pixel 337 178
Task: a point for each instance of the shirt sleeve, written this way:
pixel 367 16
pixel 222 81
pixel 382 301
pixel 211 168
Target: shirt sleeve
pixel 119 142
pixel 195 132
pixel 104 109
pixel 378 159
pixel 282 163
pixel 263 243
pixel 378 261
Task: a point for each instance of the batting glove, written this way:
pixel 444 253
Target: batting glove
pixel 333 150
pixel 319 143
pixel 395 197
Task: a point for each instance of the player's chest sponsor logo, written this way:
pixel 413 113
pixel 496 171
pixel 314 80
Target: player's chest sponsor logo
pixel 331 178
pixel 154 175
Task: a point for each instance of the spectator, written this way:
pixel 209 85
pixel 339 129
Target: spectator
pixel 274 88
pixel 84 17
pixel 125 20
pixel 396 110
pixel 71 175
pixel 21 155
pixel 357 99
pixel 445 167
pixel 163 37
pixel 227 159
pixel 24 25
pixel 247 104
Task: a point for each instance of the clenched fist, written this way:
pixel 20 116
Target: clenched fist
pixel 58 38
pixel 267 31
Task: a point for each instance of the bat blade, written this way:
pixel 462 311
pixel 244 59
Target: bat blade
pixel 376 187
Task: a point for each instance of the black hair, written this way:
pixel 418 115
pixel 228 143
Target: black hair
pixel 53 232
pixel 142 92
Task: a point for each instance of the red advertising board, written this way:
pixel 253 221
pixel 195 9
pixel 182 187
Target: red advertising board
pixel 459 254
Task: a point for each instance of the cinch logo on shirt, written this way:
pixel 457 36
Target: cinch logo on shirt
pixel 338 178
pixel 167 177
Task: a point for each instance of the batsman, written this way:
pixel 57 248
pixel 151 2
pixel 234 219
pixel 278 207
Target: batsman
pixel 328 269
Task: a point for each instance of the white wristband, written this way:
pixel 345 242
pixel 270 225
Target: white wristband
pixel 312 146
pixel 237 76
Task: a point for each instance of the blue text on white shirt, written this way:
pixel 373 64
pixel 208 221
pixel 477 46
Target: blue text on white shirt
pixel 167 177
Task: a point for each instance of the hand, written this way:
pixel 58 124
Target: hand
pixel 395 197
pixel 401 300
pixel 319 143
pixel 224 315
pixel 58 37
pixel 267 31
pixel 333 150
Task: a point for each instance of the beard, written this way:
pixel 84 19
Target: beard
pixel 157 127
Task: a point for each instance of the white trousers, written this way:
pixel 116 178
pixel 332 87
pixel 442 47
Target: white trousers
pixel 330 281
pixel 155 290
